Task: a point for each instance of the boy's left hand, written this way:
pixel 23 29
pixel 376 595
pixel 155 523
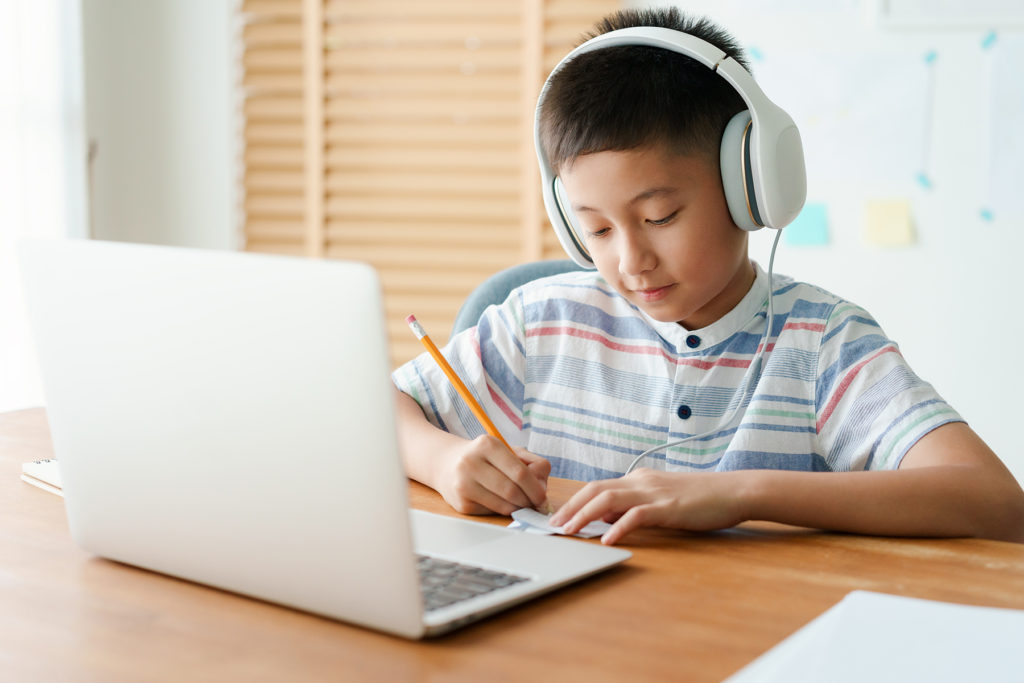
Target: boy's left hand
pixel 695 501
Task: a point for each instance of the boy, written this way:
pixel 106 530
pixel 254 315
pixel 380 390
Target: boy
pixel 817 422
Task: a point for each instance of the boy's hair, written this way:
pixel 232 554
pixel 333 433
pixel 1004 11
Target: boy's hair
pixel 621 98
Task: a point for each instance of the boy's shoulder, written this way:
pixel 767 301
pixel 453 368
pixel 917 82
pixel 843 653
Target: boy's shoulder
pixel 816 318
pixel 574 284
pixel 582 296
pixel 808 299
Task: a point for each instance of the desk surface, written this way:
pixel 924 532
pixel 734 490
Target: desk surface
pixel 685 607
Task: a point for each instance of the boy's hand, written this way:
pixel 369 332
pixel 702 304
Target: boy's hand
pixel 482 476
pixel 696 501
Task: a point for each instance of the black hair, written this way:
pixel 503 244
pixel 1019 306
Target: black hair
pixel 622 98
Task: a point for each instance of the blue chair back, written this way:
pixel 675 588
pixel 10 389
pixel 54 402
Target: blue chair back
pixel 497 287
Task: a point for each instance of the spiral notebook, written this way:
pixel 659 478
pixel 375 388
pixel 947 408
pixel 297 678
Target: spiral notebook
pixel 43 473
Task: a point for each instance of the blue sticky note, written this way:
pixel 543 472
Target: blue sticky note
pixel 810 228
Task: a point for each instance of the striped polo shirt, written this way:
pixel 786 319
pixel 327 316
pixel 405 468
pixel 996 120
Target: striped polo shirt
pixel 573 372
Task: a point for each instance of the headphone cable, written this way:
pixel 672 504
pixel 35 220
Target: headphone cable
pixel 755 369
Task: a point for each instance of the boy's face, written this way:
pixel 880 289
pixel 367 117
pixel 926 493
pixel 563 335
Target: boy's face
pixel 659 231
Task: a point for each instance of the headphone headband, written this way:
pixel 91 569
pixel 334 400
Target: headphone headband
pixel 765 187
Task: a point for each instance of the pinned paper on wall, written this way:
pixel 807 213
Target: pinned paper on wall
pixel 888 223
pixel 810 228
pixel 924 174
pixel 1004 99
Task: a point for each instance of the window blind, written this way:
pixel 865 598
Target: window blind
pixel 400 133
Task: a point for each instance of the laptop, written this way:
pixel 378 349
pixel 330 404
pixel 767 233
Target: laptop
pixel 228 418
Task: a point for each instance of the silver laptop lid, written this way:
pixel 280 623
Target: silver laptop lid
pixel 227 418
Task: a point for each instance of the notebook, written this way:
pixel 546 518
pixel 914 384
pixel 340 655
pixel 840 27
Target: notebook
pixel 228 418
pixel 44 474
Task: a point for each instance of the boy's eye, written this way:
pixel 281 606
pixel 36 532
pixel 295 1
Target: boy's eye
pixel 663 221
pixel 599 232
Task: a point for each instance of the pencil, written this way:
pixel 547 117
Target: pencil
pixel 454 379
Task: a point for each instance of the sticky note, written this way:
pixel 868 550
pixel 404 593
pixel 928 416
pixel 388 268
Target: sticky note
pixel 810 228
pixel 888 223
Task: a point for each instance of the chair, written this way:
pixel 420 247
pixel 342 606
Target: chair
pixel 497 287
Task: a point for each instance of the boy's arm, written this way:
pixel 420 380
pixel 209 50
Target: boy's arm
pixel 949 484
pixel 475 477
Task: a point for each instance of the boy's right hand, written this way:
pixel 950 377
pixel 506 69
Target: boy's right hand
pixel 483 476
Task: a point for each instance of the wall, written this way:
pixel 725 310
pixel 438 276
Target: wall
pixel 948 297
pixel 161 112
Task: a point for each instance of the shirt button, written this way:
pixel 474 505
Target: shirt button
pixel 684 412
pixel 693 341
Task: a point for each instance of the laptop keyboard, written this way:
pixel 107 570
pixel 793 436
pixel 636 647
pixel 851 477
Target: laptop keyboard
pixel 444 582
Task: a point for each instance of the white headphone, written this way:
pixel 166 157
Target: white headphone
pixel 762 158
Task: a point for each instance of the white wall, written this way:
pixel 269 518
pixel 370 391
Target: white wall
pixel 161 112
pixel 949 299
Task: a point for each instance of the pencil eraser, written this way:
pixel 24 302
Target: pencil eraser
pixel 410 319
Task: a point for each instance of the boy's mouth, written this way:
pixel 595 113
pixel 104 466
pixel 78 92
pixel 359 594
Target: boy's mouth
pixel 653 293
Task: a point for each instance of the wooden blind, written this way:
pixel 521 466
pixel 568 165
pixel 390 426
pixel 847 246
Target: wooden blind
pixel 400 133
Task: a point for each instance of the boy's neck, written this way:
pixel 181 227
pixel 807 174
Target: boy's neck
pixel 730 297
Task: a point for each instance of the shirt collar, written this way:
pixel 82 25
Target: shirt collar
pixel 726 326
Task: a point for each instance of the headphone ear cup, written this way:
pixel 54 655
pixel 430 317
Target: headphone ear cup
pixel 737 173
pixel 566 225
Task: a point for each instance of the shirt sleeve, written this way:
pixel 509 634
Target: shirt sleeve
pixel 870 406
pixel 490 359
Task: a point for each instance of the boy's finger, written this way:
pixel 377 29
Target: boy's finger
pixel 540 469
pixel 481 494
pixel 633 519
pixel 504 487
pixel 538 466
pixel 510 465
pixel 576 502
pixel 609 501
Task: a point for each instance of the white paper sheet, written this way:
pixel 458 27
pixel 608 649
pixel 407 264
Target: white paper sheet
pixel 532 521
pixel 877 637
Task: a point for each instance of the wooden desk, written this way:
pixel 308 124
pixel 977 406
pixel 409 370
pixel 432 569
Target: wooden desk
pixel 686 607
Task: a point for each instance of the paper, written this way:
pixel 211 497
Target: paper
pixel 1003 98
pixel 42 473
pixel 924 174
pixel 531 521
pixel 887 223
pixel 877 637
pixel 809 229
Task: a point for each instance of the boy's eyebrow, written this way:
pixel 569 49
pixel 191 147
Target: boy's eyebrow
pixel 646 194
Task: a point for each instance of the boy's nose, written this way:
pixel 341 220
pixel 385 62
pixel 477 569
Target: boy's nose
pixel 635 256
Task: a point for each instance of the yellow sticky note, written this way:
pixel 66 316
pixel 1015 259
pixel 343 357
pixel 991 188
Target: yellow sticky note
pixel 887 223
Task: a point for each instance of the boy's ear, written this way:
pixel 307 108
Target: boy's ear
pixel 737 174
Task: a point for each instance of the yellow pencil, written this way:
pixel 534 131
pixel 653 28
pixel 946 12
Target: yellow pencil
pixel 454 379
